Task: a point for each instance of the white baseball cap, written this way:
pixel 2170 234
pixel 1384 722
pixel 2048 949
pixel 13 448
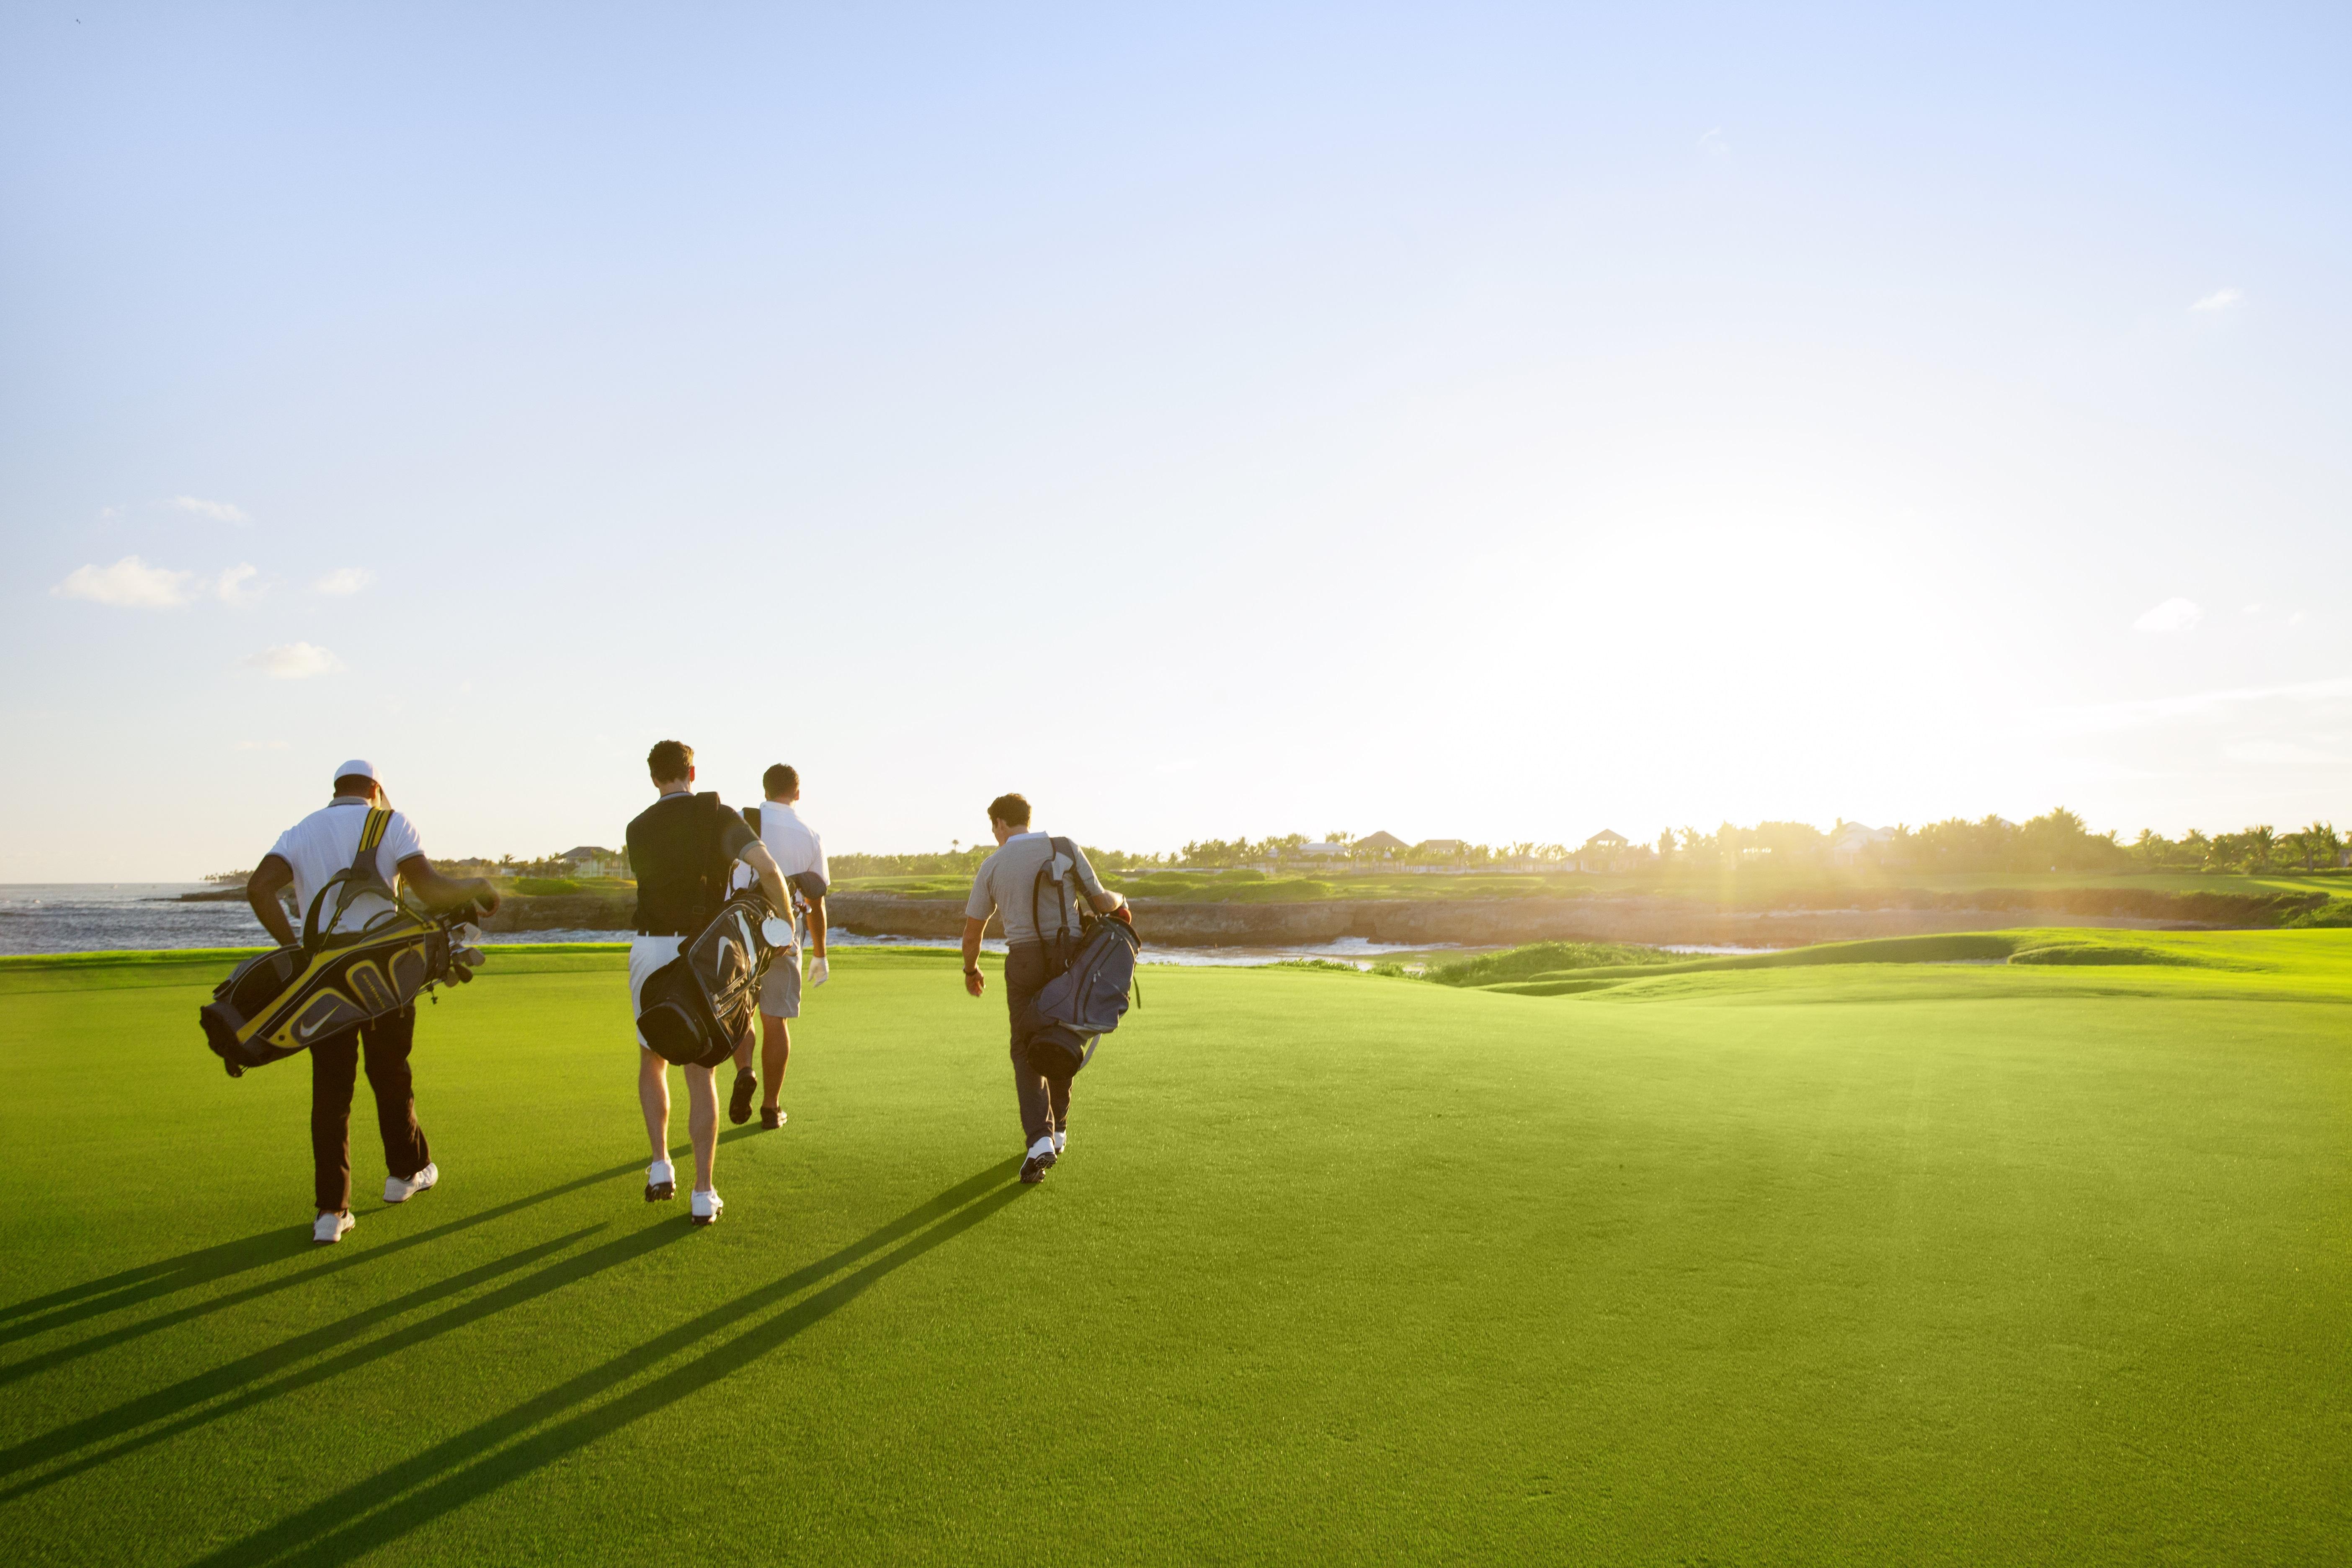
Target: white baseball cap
pixel 358 767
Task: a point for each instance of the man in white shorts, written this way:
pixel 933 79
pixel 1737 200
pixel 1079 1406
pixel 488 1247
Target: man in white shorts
pixel 682 848
pixel 800 856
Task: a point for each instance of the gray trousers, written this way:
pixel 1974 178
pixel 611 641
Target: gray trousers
pixel 1045 1101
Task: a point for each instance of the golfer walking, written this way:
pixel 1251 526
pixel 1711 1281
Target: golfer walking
pixel 1006 887
pixel 682 847
pixel 800 854
pixel 306 857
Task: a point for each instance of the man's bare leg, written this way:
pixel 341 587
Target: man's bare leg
pixel 775 1056
pixel 653 1094
pixel 702 1122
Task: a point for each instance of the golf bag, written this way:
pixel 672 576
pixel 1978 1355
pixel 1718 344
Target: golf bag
pixel 1092 970
pixel 281 1003
pixel 693 1009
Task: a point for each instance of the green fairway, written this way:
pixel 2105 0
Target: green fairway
pixel 1971 1261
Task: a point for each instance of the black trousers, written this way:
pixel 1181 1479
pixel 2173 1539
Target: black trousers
pixel 1045 1101
pixel 334 1071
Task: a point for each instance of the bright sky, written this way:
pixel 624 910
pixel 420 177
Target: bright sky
pixel 1481 421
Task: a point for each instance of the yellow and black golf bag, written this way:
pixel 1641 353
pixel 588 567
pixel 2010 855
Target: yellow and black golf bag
pixel 283 1002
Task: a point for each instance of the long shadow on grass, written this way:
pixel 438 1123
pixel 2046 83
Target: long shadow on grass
pixel 452 1473
pixel 148 1281
pixel 245 1379
pixel 215 1263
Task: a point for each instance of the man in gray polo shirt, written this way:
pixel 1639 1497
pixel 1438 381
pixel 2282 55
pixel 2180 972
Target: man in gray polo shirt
pixel 1004 888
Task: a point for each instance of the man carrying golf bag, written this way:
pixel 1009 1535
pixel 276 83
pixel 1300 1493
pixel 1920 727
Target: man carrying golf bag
pixel 307 857
pixel 1008 886
pixel 682 848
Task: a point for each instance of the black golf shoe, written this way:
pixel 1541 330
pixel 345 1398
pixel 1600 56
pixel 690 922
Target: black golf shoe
pixel 772 1117
pixel 738 1104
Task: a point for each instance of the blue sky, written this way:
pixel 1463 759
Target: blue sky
pixel 1471 421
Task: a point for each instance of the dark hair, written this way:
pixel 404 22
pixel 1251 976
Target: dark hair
pixel 354 784
pixel 1009 809
pixel 779 781
pixel 669 759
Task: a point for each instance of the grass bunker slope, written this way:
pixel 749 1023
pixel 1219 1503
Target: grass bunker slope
pixel 1798 1262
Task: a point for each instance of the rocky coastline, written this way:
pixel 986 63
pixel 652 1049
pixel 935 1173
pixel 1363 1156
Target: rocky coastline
pixel 1486 921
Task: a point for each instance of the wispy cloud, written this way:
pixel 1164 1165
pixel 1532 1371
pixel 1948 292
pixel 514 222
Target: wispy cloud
pixel 344 582
pixel 294 661
pixel 2145 711
pixel 2172 616
pixel 129 583
pixel 2221 299
pixel 230 587
pixel 218 510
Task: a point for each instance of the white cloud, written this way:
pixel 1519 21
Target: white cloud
pixel 231 587
pixel 2221 299
pixel 1712 144
pixel 2144 712
pixel 218 510
pixel 344 582
pixel 2172 616
pixel 129 584
pixel 294 661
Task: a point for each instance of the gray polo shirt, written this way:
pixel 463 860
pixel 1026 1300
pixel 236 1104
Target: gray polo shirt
pixel 1005 879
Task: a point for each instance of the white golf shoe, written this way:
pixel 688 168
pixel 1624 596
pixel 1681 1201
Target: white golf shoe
pixel 707 1208
pixel 400 1189
pixel 331 1228
pixel 1061 1143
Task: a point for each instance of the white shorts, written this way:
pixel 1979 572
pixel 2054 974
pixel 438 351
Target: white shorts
pixel 648 953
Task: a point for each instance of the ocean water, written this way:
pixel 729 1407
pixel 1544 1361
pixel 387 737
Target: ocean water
pixel 101 917
pixel 97 917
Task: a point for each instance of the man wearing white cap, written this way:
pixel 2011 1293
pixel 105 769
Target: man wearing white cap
pixel 306 857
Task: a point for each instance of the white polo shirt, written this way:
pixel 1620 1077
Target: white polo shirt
pixel 796 847
pixel 792 842
pixel 323 843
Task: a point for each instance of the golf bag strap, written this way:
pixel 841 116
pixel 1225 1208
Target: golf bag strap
pixel 1055 848
pixel 357 878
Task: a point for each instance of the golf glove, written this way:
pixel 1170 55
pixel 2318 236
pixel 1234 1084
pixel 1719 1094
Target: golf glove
pixel 819 972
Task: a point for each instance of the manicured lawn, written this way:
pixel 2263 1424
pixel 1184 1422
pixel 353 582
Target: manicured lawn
pixel 1803 886
pixel 1794 1265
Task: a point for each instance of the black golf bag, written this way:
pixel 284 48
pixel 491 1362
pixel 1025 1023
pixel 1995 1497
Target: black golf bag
pixel 693 1009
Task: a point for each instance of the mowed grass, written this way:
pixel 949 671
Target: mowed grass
pixel 1858 1263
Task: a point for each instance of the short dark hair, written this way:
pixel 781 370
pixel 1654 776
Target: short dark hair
pixel 355 784
pixel 669 759
pixel 779 781
pixel 1009 809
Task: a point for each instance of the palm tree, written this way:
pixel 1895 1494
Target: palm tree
pixel 2319 844
pixel 2260 842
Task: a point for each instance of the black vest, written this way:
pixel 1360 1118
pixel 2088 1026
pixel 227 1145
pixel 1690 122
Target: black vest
pixel 678 849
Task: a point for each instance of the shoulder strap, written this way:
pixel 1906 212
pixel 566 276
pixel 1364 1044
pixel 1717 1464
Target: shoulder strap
pixel 1054 846
pixel 360 876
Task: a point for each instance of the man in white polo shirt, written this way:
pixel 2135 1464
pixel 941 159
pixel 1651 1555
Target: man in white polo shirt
pixel 304 858
pixel 800 856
